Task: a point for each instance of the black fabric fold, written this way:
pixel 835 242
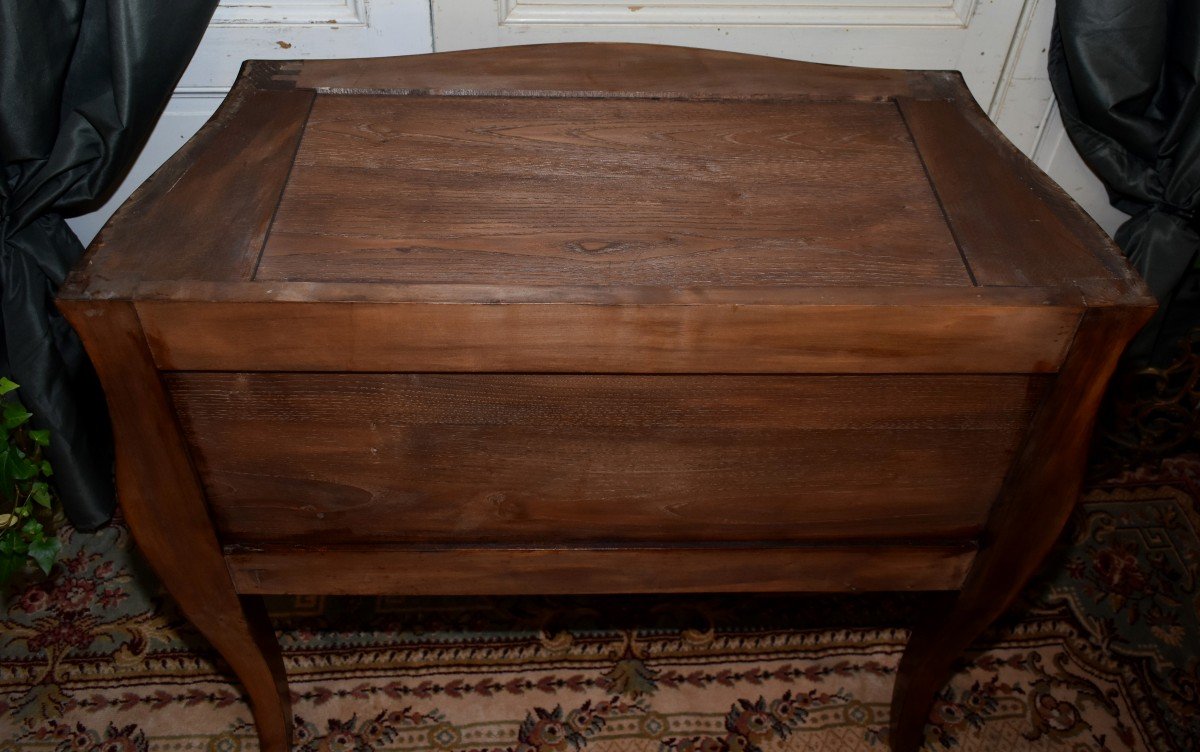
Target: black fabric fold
pixel 1126 74
pixel 82 83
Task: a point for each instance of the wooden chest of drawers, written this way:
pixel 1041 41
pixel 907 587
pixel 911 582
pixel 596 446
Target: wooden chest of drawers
pixel 599 318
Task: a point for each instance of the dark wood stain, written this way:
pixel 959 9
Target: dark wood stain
pixel 671 193
pixel 467 570
pixel 494 458
pixel 568 338
pixel 599 318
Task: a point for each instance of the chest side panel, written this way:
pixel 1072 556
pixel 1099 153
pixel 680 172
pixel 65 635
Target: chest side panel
pixel 569 191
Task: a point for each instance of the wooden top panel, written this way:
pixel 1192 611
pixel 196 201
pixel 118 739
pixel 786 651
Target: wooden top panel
pixel 595 174
pixel 470 190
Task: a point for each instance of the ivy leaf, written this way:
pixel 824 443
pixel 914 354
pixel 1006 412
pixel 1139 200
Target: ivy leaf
pixel 33 529
pixel 15 414
pixel 22 484
pixel 45 552
pixel 40 492
pixel 16 465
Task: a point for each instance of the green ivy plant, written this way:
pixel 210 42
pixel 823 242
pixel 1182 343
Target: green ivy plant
pixel 26 496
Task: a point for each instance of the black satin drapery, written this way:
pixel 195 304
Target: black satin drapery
pixel 1126 74
pixel 82 83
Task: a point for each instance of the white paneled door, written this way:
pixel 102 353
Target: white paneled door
pixel 973 36
pixel 999 45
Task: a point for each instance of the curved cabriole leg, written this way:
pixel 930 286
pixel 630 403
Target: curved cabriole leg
pixel 163 502
pixel 1038 496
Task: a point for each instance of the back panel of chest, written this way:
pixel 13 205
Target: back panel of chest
pixel 510 458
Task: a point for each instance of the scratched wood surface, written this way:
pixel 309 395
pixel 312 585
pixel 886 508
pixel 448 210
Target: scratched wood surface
pixel 495 457
pixel 637 192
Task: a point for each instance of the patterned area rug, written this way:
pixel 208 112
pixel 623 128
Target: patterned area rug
pixel 1102 655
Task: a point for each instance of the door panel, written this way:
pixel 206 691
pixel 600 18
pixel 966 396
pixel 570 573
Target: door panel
pixel 960 34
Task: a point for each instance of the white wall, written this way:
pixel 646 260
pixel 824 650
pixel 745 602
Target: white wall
pixel 1023 107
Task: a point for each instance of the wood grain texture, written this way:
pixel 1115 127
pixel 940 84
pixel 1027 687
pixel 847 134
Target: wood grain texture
pixel 599 318
pixel 602 70
pixel 204 214
pixel 1117 283
pixel 186 336
pixel 889 296
pixel 514 571
pixel 164 505
pixel 1014 225
pixel 1039 494
pixel 499 458
pixel 654 193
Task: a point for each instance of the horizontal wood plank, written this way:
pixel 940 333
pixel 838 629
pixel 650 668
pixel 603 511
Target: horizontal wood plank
pixel 525 458
pixel 549 571
pixel 186 336
pixel 590 294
